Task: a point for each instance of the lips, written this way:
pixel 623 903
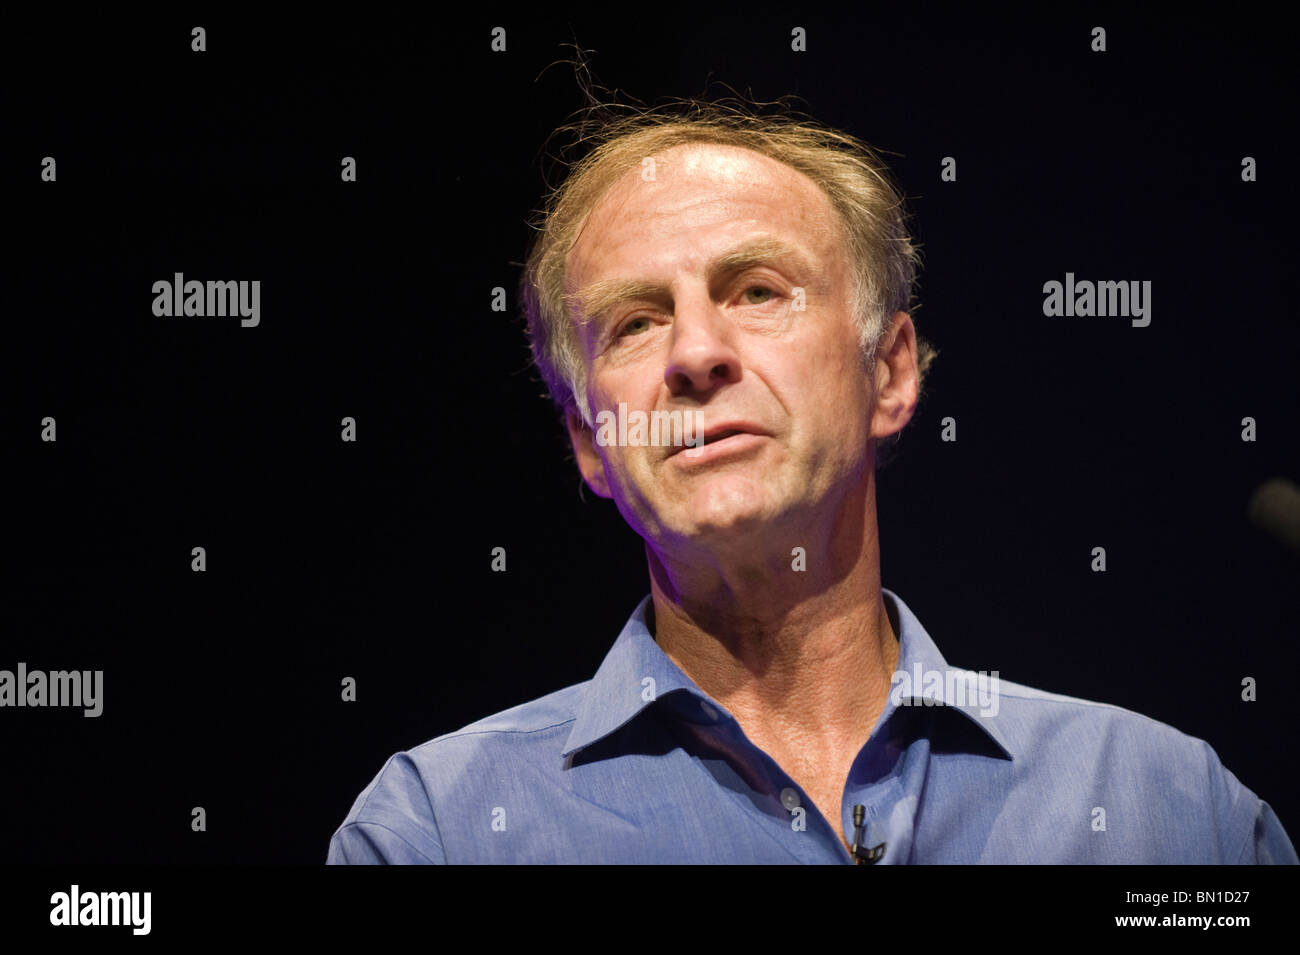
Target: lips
pixel 720 431
pixel 719 435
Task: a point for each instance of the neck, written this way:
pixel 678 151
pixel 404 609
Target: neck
pixel 800 656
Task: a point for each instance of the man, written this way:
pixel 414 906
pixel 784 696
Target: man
pixel 759 705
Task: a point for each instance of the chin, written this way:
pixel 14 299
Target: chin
pixel 728 517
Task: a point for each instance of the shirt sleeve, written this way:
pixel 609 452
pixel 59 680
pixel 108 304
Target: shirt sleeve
pixel 372 843
pixel 1270 844
pixel 1257 836
pixel 391 823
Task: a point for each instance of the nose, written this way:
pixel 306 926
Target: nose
pixel 701 358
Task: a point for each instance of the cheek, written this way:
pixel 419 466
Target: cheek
pixel 624 472
pixel 830 376
pixel 854 382
pixel 832 394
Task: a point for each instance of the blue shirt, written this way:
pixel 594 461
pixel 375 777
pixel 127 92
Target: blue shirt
pixel 638 765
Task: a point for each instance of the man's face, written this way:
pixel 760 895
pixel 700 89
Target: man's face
pixel 731 344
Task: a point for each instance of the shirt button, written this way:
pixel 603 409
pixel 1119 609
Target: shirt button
pixel 709 712
pixel 789 799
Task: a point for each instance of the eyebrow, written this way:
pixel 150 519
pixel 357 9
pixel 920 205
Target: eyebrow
pixel 593 301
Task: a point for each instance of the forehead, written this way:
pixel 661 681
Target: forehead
pixel 692 202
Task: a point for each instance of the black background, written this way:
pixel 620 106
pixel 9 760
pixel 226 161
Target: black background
pixel 371 560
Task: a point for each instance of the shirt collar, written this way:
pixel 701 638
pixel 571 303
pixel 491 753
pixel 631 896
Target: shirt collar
pixel 636 673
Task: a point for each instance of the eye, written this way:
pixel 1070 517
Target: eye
pixel 762 289
pixel 626 329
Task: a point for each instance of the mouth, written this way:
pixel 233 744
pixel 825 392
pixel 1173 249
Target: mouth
pixel 717 434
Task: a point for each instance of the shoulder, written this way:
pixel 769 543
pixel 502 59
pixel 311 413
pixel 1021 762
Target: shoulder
pixel 1139 766
pixel 1036 718
pixel 1067 729
pixel 529 730
pixel 397 813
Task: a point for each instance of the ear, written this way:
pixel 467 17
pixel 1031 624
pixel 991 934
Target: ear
pixel 897 378
pixel 589 460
